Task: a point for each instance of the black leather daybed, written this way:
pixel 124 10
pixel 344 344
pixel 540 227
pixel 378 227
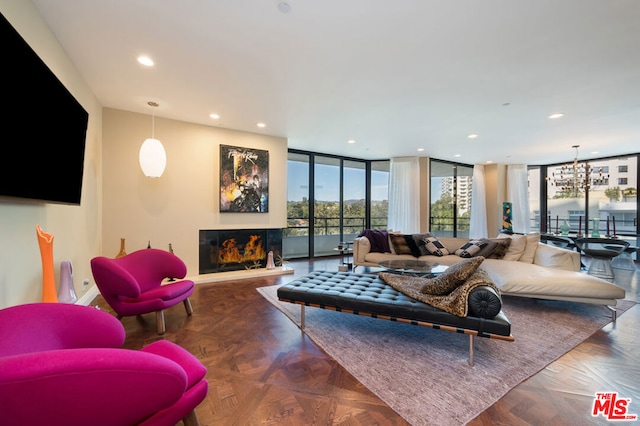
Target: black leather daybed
pixel 369 295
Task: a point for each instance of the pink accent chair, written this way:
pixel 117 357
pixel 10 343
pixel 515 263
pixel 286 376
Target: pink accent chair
pixel 63 364
pixel 133 284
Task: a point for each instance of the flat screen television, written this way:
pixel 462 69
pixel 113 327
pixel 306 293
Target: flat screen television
pixel 43 126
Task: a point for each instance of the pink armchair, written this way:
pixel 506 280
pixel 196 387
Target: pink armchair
pixel 62 364
pixel 133 284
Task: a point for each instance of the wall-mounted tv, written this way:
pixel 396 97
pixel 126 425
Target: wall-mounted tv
pixel 44 127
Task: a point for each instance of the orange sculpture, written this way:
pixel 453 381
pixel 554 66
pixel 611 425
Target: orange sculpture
pixel 45 241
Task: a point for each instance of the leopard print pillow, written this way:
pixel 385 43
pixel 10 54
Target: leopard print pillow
pixel 452 277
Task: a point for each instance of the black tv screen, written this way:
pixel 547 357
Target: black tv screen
pixel 43 127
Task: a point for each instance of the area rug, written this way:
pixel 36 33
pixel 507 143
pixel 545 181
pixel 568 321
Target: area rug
pixel 424 375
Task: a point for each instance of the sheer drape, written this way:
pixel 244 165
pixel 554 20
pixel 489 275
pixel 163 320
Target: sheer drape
pixel 518 195
pixel 478 219
pixel 404 195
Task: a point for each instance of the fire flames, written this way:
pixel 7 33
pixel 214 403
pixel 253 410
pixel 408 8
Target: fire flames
pixel 230 251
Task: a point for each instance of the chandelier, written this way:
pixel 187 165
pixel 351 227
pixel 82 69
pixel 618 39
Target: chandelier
pixel 576 178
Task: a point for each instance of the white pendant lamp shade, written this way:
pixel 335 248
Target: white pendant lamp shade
pixel 153 158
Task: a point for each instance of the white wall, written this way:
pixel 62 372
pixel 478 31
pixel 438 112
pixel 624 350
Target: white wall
pixel 173 208
pixel 76 229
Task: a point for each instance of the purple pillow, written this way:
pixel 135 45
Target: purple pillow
pixel 379 240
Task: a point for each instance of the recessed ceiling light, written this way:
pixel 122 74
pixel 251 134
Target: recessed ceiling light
pixel 284 7
pixel 457 155
pixel 489 162
pixel 420 149
pixel 351 141
pixel 214 116
pixel 472 136
pixel 556 115
pixel 261 125
pixel 145 60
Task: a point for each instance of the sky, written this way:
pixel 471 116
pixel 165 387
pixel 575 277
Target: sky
pixel 328 183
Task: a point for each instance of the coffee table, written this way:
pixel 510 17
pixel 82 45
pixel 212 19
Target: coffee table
pixel 418 268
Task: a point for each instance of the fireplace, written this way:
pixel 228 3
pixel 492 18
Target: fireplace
pixel 237 249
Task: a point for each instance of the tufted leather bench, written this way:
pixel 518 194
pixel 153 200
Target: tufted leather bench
pixel 368 295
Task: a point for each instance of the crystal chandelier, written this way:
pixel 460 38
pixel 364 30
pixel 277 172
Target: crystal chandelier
pixel 576 178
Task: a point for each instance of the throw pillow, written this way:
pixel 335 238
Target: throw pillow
pixel 488 248
pixel 471 249
pixel 420 243
pixel 452 277
pixel 435 247
pixel 400 244
pixel 501 249
pixel 530 248
pixel 516 248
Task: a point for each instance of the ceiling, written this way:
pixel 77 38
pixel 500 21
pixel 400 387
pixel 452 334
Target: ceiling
pixel 393 76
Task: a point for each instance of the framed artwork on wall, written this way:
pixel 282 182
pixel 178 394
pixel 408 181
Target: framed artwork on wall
pixel 244 180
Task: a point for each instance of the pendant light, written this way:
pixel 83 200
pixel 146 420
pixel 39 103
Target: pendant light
pixel 153 158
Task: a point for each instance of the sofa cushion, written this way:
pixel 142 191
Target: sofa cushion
pixel 435 247
pixel 376 258
pixel 501 249
pixel 400 244
pixel 421 245
pixel 412 244
pixel 531 280
pixel 516 247
pixel 452 277
pixel 530 248
pixel 470 249
pixel 488 248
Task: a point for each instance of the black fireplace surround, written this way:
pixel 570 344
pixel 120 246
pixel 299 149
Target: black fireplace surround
pixel 223 250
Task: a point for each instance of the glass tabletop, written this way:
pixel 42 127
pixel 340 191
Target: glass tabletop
pixel 412 266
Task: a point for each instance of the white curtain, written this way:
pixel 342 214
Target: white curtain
pixel 404 195
pixel 478 220
pixel 518 195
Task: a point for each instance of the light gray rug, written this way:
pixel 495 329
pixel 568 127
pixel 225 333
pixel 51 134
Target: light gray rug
pixel 424 375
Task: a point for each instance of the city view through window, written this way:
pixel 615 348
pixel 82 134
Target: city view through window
pixel 337 200
pixel 605 204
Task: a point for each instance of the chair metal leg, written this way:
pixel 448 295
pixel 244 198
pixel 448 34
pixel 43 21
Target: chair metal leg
pixel 614 313
pixel 187 306
pixel 160 322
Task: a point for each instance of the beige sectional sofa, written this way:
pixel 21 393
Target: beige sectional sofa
pixel 528 269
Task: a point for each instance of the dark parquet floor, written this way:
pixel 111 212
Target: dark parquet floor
pixel 263 371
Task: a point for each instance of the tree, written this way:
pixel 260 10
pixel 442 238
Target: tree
pixel 629 193
pixel 613 194
pixel 442 213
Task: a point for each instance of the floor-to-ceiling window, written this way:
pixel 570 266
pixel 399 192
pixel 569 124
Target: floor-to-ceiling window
pixel 295 241
pixel 326 202
pixel 332 199
pixel 607 199
pixel 354 199
pixel 535 205
pixel 450 188
pixel 379 205
pixel 605 204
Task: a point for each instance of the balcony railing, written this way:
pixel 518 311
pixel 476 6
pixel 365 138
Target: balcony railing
pixel 295 238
